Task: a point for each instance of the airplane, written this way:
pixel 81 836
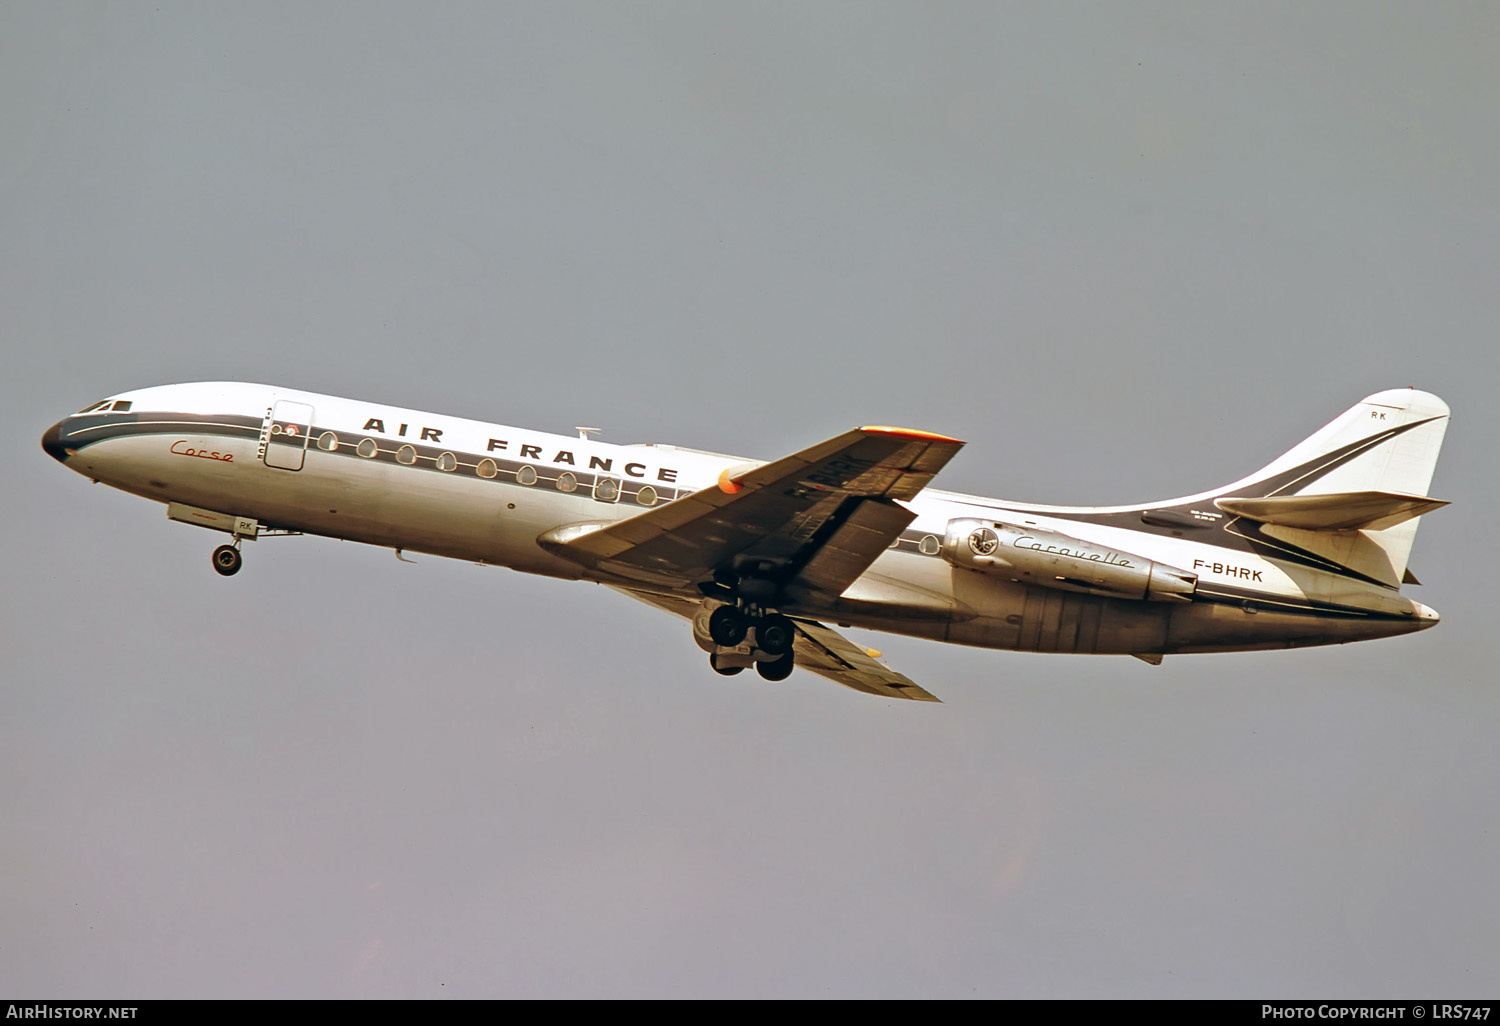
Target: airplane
pixel 761 557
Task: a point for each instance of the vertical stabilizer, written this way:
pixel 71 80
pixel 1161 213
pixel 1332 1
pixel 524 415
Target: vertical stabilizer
pixel 1378 456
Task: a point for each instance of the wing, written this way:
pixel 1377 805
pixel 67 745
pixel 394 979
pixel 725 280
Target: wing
pixel 814 520
pixel 821 650
pixel 828 653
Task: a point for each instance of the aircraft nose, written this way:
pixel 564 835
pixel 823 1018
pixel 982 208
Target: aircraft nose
pixel 52 442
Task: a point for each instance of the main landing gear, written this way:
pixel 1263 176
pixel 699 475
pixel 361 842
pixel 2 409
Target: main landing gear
pixel 777 669
pixel 774 633
pixel 727 669
pixel 730 663
pixel 227 559
pixel 729 626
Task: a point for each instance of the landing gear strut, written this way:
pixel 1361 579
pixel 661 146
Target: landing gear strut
pixel 227 560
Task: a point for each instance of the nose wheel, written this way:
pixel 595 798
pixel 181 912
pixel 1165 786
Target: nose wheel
pixel 227 560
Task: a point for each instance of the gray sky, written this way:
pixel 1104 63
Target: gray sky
pixel 1126 251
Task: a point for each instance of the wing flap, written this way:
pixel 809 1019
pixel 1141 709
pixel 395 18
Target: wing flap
pixel 853 546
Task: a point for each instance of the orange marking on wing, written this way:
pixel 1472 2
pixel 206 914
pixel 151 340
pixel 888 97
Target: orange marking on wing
pixel 925 436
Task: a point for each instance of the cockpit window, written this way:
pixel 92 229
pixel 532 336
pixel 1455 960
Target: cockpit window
pixel 121 405
pixel 105 406
pixel 95 407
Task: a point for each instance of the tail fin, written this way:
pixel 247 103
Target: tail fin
pixel 1354 491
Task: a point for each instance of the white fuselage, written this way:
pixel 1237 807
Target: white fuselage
pixel 424 482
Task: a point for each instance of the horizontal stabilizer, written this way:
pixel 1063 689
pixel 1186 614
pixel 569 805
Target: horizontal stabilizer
pixel 1338 511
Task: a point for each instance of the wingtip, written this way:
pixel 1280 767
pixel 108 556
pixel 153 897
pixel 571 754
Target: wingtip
pixel 900 432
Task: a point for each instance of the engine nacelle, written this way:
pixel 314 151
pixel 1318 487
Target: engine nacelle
pixel 1053 560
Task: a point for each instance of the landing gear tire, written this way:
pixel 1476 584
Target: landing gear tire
pixel 774 635
pixel 728 671
pixel 727 626
pixel 227 560
pixel 777 669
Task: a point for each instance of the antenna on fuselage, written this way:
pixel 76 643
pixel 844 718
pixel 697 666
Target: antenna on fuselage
pixel 583 432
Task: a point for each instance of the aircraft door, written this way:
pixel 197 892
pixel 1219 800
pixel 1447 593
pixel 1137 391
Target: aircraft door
pixel 286 433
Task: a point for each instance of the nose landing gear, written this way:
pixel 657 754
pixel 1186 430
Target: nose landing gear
pixel 227 559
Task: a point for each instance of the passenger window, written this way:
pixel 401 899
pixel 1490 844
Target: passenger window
pixel 526 475
pixel 407 455
pixel 447 461
pixel 328 441
pixel 567 482
pixel 606 490
pixel 367 448
pixel 487 468
pixel 930 545
pixel 646 496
